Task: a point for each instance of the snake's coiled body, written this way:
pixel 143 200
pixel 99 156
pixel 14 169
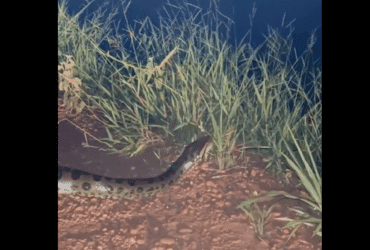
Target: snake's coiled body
pixel 86 184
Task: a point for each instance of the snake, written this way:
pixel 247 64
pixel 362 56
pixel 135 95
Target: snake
pixel 81 183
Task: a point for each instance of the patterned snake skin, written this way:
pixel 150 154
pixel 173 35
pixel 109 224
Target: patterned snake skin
pixel 81 183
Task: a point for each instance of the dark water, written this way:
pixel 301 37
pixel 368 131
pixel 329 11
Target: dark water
pixel 307 15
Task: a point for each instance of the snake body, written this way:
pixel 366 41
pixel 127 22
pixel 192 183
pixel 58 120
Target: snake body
pixel 76 182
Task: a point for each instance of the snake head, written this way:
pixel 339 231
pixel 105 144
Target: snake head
pixel 198 149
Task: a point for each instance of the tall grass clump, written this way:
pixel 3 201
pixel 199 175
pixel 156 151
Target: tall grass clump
pixel 182 77
pixel 164 78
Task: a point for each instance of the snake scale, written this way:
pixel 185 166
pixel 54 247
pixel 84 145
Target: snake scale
pixel 76 182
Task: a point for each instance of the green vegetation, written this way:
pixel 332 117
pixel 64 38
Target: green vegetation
pixel 183 78
pixel 257 217
pixel 311 181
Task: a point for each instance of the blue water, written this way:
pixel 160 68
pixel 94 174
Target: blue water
pixel 307 15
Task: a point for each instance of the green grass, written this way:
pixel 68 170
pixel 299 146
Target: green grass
pixel 258 218
pixel 183 78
